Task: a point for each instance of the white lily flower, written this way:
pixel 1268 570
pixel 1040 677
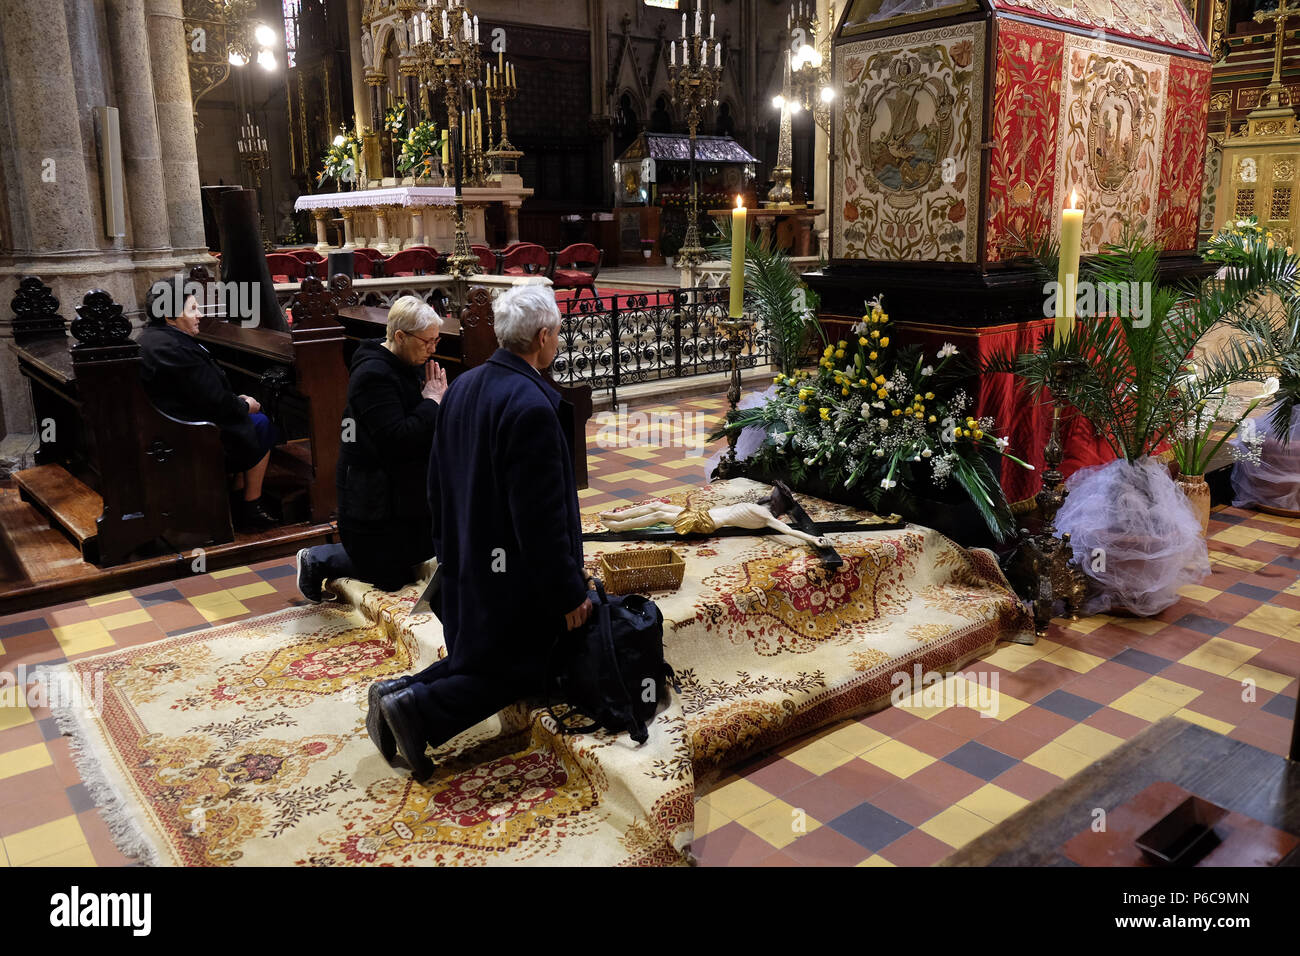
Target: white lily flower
pixel 948 349
pixel 887 484
pixel 926 453
pixel 928 370
pixel 1002 444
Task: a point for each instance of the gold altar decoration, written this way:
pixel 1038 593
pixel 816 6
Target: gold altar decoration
pixel 694 84
pixel 1259 162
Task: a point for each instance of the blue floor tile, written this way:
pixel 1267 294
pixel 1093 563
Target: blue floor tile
pixel 984 762
pixel 1204 625
pixel 1149 663
pixel 1069 705
pixel 870 826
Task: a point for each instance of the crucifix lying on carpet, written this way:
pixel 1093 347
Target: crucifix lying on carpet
pixel 763 516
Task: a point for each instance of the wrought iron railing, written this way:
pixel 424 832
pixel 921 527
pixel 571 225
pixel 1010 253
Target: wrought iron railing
pixel 660 335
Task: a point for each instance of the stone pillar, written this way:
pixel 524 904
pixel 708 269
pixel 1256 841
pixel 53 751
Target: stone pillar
pixel 141 155
pixel 322 217
pixel 419 236
pixel 821 153
pixel 512 222
pixel 45 169
pixel 360 94
pixel 602 124
pixel 348 242
pixel 169 65
pixel 51 224
pixel 381 228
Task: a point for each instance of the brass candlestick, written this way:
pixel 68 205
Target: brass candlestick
pixel 1058 578
pixel 737 333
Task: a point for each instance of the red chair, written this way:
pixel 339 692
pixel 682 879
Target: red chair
pixel 488 261
pixel 285 268
pixel 363 262
pixel 525 259
pixel 576 267
pixel 409 261
pixel 306 255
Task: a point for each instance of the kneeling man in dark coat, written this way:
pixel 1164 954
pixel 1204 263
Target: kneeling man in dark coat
pixel 507 536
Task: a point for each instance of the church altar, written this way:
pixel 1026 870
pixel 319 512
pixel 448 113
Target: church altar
pixel 393 218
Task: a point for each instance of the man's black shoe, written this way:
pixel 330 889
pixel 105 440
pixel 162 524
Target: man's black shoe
pixel 308 577
pixel 380 733
pixel 403 720
pixel 251 516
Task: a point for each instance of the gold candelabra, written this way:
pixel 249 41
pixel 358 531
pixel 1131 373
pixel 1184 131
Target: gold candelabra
pixel 255 157
pixel 445 49
pixel 694 82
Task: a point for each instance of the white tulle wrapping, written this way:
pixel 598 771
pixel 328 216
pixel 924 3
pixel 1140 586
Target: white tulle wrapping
pixel 1275 481
pixel 750 439
pixel 1134 515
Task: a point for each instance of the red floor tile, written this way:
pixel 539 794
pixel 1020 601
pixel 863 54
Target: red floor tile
pixel 918 848
pixel 909 803
pixel 1012 741
pixel 945 782
pixel 936 740
pixel 825 846
pixel 1028 782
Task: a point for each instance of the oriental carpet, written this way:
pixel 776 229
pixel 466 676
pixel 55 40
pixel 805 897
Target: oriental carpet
pixel 246 744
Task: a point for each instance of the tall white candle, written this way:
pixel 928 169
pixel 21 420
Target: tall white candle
pixel 683 25
pixel 711 26
pixel 444 24
pixel 697 21
pixel 672 53
pixel 717 55
pixel 476 29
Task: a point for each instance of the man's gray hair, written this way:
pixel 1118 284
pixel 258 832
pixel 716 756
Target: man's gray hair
pixel 521 312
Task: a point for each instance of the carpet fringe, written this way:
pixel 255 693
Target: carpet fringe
pixel 71 718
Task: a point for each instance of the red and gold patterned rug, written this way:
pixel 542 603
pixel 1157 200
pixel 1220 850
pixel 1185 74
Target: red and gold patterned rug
pixel 246 744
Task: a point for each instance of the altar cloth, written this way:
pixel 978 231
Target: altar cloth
pixel 245 744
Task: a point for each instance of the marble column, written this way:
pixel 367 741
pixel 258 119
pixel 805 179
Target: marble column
pixel 512 222
pixel 348 242
pixel 821 153
pixel 381 230
pixel 44 162
pixel 141 152
pixel 322 217
pixel 360 95
pixel 169 66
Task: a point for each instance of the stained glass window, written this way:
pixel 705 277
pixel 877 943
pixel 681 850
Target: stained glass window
pixel 290 30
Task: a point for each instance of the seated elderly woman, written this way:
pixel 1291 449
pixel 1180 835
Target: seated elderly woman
pixel 184 381
pixel 387 433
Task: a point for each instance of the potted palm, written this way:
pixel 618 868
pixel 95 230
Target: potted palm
pixel 1131 527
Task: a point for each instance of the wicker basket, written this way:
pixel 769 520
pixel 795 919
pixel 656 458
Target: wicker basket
pixel 650 569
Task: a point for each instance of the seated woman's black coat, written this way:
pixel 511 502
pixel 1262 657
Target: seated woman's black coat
pixel 387 434
pixel 184 381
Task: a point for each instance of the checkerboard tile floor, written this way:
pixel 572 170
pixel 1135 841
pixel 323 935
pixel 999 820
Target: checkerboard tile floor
pixel 902 787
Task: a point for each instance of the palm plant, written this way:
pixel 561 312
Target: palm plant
pixel 779 298
pixel 1133 365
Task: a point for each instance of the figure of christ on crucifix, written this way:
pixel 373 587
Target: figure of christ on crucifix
pixel 1275 94
pixel 749 515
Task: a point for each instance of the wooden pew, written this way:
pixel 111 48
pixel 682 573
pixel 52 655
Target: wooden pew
pixel 301 379
pixel 468 339
pixel 112 470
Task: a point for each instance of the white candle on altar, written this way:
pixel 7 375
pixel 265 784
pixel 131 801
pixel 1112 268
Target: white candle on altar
pixel 672 53
pixel 711 26
pixel 476 29
pixel 444 24
pixel 697 20
pixel 717 55
pixel 683 25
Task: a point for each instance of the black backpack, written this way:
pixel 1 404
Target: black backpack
pixel 612 670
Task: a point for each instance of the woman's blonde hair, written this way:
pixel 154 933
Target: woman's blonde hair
pixel 412 315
